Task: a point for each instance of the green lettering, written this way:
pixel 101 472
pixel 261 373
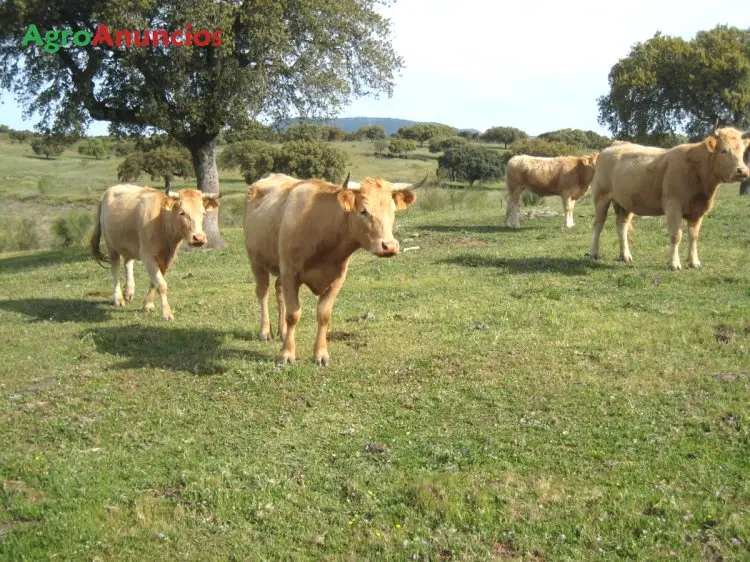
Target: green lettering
pixel 82 38
pixel 52 45
pixel 32 34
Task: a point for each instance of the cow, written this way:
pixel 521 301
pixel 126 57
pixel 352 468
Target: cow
pixel 566 176
pixel 680 183
pixel 149 225
pixel 305 232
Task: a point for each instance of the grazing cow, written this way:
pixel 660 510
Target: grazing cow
pixel 680 183
pixel 304 232
pixel 150 225
pixel 566 176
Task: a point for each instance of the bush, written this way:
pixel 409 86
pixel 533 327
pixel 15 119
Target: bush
pixel 471 163
pixel 44 184
pixel 441 144
pixel 381 145
pixel 255 159
pixel 20 136
pixel 49 146
pixel 164 162
pixel 370 132
pixel 123 148
pixel 311 159
pixel 422 132
pixel 542 148
pixel 93 147
pixel 505 135
pixel 26 236
pixel 577 137
pixel 252 130
pixel 400 147
pixel 72 229
pixel 4 128
pixel 303 132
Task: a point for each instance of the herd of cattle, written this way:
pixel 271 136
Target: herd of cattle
pixel 305 231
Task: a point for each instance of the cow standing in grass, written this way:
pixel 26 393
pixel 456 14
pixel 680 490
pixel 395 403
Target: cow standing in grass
pixel 150 225
pixel 566 176
pixel 680 183
pixel 304 233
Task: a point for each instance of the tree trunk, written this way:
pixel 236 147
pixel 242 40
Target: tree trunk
pixel 745 187
pixel 167 183
pixel 207 174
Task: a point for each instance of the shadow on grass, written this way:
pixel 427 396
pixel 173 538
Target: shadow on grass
pixel 530 265
pixel 59 310
pixel 43 259
pixel 480 229
pixel 193 350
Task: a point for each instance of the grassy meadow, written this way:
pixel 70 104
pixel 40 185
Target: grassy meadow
pixel 493 395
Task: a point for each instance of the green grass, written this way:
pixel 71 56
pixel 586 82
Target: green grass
pixel 535 405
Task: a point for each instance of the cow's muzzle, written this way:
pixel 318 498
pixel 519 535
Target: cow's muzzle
pixel 742 174
pixel 197 240
pixel 387 249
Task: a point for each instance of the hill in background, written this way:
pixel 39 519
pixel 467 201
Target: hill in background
pixel 390 124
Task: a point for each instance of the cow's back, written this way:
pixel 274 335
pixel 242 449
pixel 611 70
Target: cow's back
pixel 265 205
pixel 544 175
pixel 632 175
pixel 122 216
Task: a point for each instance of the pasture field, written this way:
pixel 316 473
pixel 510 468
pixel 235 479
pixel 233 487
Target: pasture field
pixel 493 395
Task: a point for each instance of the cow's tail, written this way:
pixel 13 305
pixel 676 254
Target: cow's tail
pixel 96 236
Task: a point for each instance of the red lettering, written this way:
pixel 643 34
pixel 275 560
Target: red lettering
pixel 142 38
pixel 120 35
pixel 188 35
pixel 174 38
pixel 217 38
pixel 102 34
pixel 157 35
pixel 202 42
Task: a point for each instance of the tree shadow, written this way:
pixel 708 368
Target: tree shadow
pixel 43 259
pixel 530 265
pixel 480 229
pixel 199 351
pixel 59 310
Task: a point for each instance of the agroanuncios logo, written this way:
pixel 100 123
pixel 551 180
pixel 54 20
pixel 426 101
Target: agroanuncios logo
pixel 53 40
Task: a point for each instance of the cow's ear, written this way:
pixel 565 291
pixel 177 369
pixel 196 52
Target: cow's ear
pixel 347 199
pixel 403 198
pixel 210 203
pixel 711 143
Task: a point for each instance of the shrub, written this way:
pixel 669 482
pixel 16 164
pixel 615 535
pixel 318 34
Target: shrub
pixel 26 236
pixel 123 148
pixel 441 144
pixel 381 145
pixel 93 147
pixel 311 159
pixel 471 163
pixel 49 146
pixel 71 230
pixel 164 162
pixel 255 159
pixel 505 135
pixel 252 130
pixel 44 184
pixel 401 147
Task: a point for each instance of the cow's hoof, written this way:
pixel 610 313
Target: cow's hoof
pixel 282 336
pixel 287 359
pixel 675 266
pixel 119 302
pixel 696 265
pixel 129 297
pixel 322 361
pixel 167 317
pixel 591 256
pixel 626 259
pixel 149 307
pixel 265 336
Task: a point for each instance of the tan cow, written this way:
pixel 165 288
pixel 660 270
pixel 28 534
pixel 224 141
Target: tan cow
pixel 680 183
pixel 149 225
pixel 566 176
pixel 304 232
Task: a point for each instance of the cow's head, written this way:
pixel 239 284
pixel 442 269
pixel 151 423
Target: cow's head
pixel 587 164
pixel 187 208
pixel 372 207
pixel 728 146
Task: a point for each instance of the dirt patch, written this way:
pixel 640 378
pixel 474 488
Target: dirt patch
pixel 349 338
pixel 99 294
pixel 725 333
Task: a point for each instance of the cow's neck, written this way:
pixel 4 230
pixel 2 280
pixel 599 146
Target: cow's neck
pixel 707 179
pixel 345 244
pixel 170 242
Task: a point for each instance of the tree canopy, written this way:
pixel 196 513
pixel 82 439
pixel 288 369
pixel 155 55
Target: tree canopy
pixel 505 135
pixel 276 57
pixel 667 85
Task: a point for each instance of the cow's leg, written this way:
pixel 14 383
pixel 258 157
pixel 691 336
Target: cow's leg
pixel 282 309
pixel 513 199
pixel 623 225
pixel 601 208
pixel 114 267
pixel 148 303
pixel 129 280
pixel 325 305
pixel 158 282
pixel 568 206
pixel 694 228
pixel 674 222
pixel 290 287
pixel 262 280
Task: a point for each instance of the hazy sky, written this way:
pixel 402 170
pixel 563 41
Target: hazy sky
pixel 538 65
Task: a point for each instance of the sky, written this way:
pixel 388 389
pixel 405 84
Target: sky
pixel 537 65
